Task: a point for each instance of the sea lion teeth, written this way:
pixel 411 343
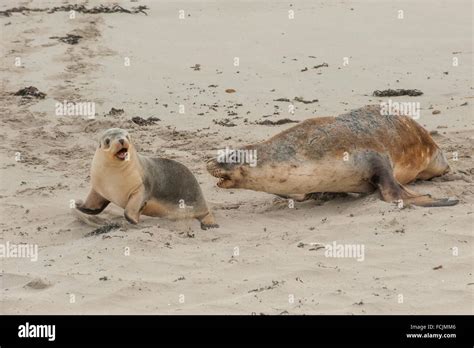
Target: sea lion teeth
pixel 357 152
pixel 122 154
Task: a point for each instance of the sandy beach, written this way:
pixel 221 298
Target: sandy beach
pixel 176 62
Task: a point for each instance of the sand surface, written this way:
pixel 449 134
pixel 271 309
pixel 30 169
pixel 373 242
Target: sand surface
pixel 263 258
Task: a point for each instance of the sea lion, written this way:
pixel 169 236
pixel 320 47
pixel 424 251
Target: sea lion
pixel 356 152
pixel 142 185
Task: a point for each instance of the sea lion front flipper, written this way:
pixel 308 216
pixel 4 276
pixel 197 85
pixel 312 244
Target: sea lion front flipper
pixel 392 191
pixel 93 205
pixel 134 206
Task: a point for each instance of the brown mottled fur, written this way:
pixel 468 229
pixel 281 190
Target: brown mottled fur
pixel 354 152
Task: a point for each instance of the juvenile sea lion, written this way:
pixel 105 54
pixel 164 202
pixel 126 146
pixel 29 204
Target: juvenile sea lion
pixel 356 152
pixel 142 185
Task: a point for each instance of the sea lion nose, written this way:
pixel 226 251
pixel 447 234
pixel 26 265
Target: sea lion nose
pixel 121 141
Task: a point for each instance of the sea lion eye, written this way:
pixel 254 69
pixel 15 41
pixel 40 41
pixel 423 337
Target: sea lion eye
pixel 107 141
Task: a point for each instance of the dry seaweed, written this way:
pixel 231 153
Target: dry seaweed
pixel 77 8
pixel 301 100
pixel 397 93
pixel 103 229
pixel 115 112
pixel 70 39
pixel 30 92
pixel 325 65
pixel 224 122
pixel 275 123
pixel 145 122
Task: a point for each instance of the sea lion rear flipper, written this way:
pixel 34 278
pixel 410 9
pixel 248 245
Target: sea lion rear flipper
pixel 208 221
pixel 411 197
pixel 392 191
pixel 93 205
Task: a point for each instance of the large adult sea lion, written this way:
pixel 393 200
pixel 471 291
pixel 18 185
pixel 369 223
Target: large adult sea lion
pixel 356 152
pixel 142 185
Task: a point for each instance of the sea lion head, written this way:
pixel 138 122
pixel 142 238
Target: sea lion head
pixel 234 168
pixel 115 144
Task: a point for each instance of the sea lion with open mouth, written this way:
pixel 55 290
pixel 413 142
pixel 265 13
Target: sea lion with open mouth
pixel 142 185
pixel 356 152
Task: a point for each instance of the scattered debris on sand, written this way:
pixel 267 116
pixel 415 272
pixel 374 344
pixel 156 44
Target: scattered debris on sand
pixel 275 284
pixel 296 99
pixel 115 112
pixel 316 246
pixel 196 67
pixel 224 122
pixel 145 122
pixel 301 100
pixel 324 65
pixel 70 39
pixel 312 246
pixel 397 93
pixel 30 92
pixel 38 284
pixel 77 8
pixel 103 229
pixel 275 123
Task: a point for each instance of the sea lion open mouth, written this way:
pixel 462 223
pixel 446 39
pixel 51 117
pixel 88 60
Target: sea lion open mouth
pixel 225 176
pixel 122 154
pixel 225 180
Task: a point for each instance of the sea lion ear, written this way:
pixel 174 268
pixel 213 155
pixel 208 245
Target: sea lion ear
pixel 99 139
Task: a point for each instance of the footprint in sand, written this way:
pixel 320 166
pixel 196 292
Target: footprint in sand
pixel 38 284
